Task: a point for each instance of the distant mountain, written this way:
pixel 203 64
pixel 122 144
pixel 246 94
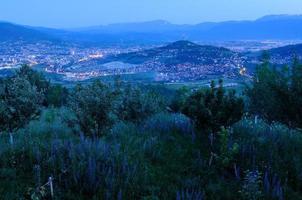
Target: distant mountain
pixel 138 27
pixel 13 32
pixel 280 56
pixel 280 17
pixel 275 27
pixel 285 55
pixel 287 51
pixel 268 27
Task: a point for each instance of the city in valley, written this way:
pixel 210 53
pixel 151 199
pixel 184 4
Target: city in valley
pixel 76 62
pixel 150 100
pixel 155 50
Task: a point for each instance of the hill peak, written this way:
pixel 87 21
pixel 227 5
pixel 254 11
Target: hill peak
pixel 280 17
pixel 182 44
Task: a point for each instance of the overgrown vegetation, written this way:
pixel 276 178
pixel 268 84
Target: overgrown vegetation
pixel 101 141
pixel 276 93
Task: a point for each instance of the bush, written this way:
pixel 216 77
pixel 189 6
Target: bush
pixel 127 162
pixel 212 108
pixel 134 105
pixel 19 102
pixel 162 145
pixel 274 150
pixel 92 105
pixel 48 147
pixel 99 106
pixel 167 123
pixel 144 152
pixel 35 78
pixel 57 96
pixel 276 93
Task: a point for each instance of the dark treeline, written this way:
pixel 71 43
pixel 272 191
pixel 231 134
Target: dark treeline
pixel 122 141
pixel 276 93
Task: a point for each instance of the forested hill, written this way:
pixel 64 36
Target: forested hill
pixel 13 32
pixel 289 50
pixel 179 52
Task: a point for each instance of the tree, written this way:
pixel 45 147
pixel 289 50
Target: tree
pixel 19 102
pixel 262 96
pixel 57 95
pixel 295 108
pixel 212 108
pixel 134 105
pixel 296 84
pixel 35 78
pixel 179 99
pixel 276 93
pixel 93 107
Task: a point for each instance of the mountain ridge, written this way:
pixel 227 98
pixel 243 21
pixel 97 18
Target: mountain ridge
pixel 275 27
pixel 12 32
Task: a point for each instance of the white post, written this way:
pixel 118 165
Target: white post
pixel 51 186
pixel 11 138
pixel 256 119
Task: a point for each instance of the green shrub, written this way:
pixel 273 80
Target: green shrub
pixel 273 149
pixel 19 102
pixel 276 93
pixel 212 108
pixel 135 105
pixel 92 105
pixel 57 96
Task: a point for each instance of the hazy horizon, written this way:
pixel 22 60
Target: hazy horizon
pixel 73 14
pixel 146 21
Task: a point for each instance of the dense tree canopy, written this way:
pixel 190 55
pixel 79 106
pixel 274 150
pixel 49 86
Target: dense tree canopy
pixel 92 105
pixel 57 95
pixel 135 105
pixel 19 101
pixel 276 94
pixel 121 141
pixel 214 107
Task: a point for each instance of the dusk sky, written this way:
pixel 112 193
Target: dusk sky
pixel 80 13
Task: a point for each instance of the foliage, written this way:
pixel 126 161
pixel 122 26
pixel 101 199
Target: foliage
pixel 127 162
pixel 99 106
pixel 275 151
pixel 21 97
pixel 251 188
pixel 92 105
pixel 57 95
pixel 227 151
pixel 276 94
pixel 179 99
pixel 212 108
pixel 36 79
pixel 134 105
pixel 19 102
pixel 144 152
pixel 163 123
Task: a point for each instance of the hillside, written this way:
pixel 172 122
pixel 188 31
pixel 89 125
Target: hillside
pixel 279 27
pixel 179 52
pixel 281 55
pixel 178 61
pixel 268 27
pixel 90 140
pixel 290 50
pixel 13 32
